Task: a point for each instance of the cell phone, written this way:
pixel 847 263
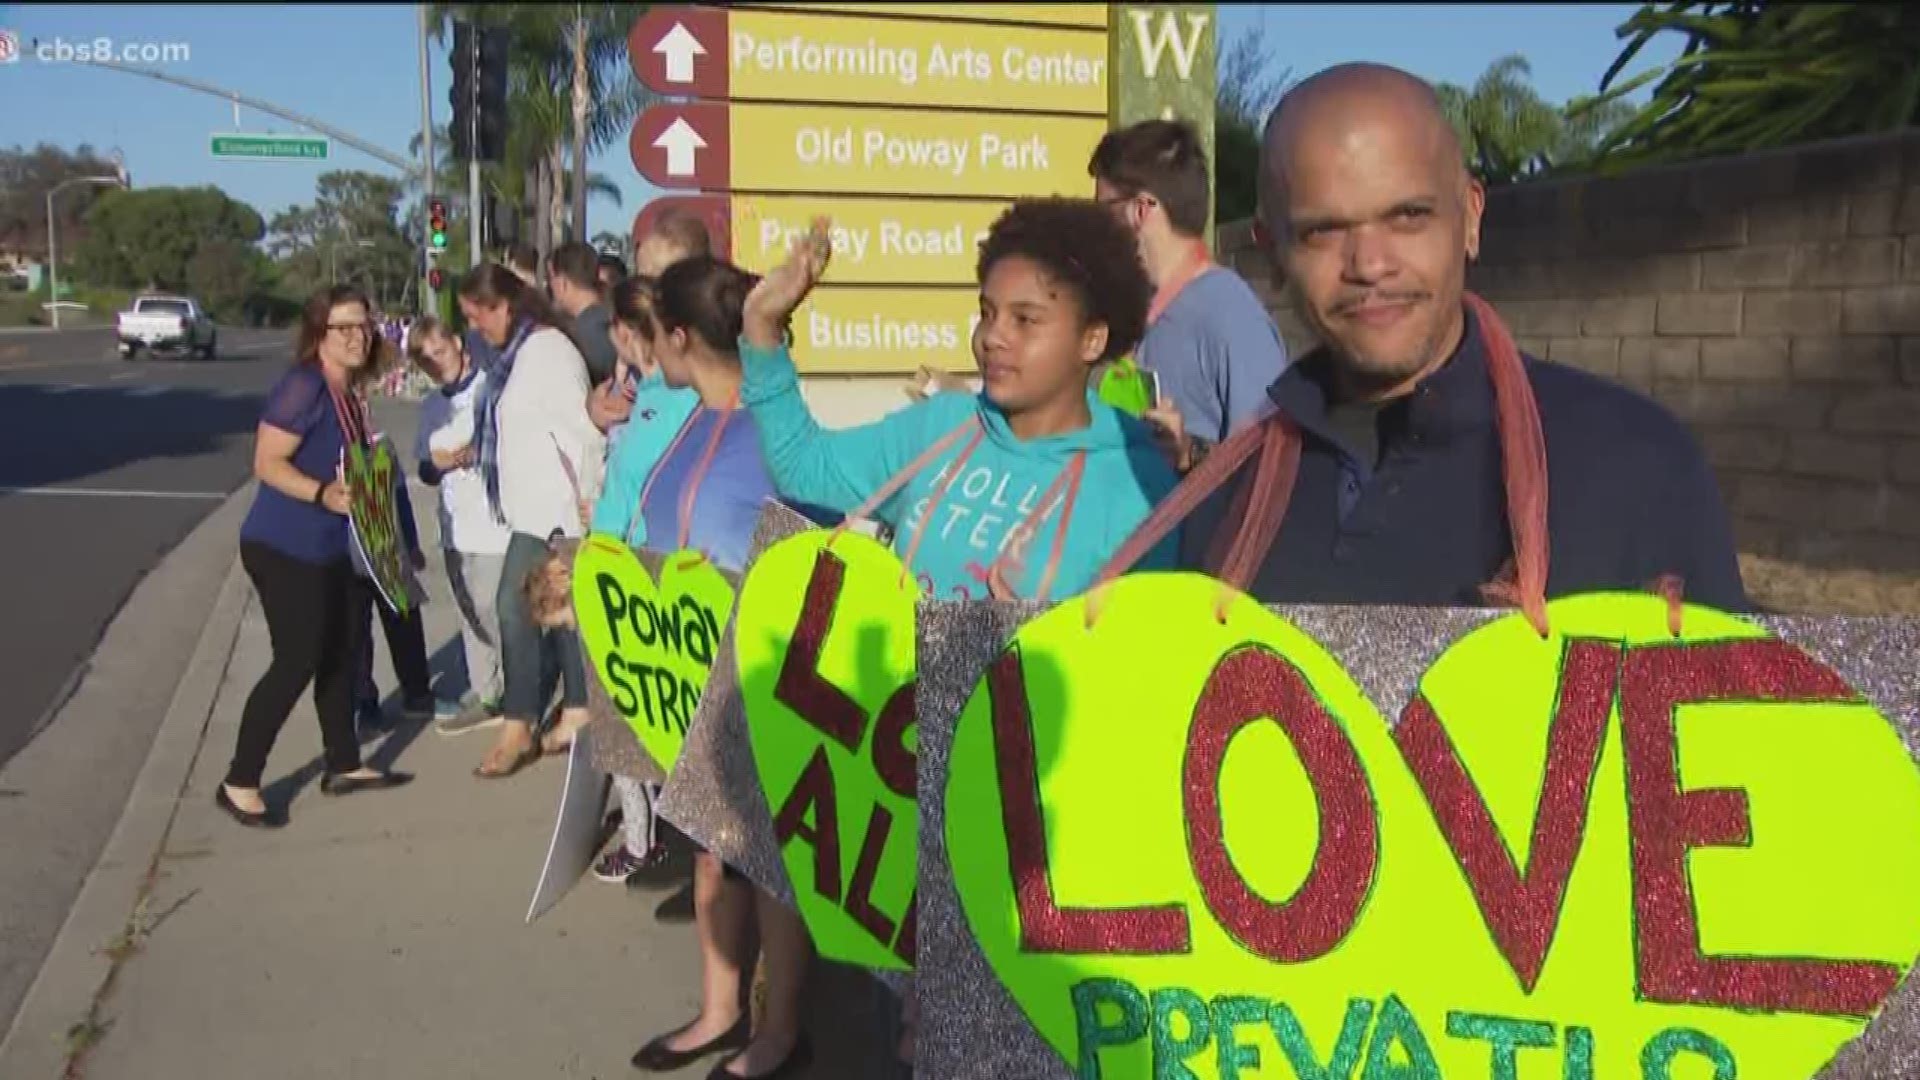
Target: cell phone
pixel 1151 380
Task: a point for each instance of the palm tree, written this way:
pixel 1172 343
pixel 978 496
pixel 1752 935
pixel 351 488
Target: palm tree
pixel 1509 132
pixel 541 94
pixel 1756 75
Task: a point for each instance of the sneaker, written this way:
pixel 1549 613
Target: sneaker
pixel 616 866
pixel 485 714
pixel 419 712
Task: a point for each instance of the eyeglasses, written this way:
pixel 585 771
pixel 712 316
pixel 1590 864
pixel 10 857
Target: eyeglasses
pixel 349 329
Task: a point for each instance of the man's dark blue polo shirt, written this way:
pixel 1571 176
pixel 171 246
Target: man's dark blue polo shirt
pixel 1630 495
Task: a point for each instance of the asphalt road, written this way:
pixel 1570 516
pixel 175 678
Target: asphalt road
pixel 105 466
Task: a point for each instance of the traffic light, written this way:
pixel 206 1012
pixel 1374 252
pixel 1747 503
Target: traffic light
pixel 490 95
pixel 437 225
pixel 436 278
pixel 460 94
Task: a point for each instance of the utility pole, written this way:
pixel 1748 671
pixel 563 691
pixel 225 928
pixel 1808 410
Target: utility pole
pixel 430 299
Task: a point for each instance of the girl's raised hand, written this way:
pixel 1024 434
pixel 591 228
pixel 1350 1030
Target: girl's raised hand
pixel 775 296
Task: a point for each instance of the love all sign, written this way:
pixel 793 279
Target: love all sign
pixel 651 643
pixel 375 519
pixel 824 641
pixel 1184 846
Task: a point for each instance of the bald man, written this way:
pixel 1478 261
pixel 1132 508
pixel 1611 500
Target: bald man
pixel 1367 208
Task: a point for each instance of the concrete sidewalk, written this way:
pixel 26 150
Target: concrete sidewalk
pixel 380 935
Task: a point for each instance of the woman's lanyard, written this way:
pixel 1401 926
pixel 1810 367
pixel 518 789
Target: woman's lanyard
pixel 1199 261
pixel 694 479
pixel 353 423
pixel 1069 477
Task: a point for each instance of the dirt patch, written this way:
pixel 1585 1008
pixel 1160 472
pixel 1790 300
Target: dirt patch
pixel 1793 589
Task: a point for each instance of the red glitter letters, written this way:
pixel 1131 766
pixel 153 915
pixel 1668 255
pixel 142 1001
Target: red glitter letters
pixel 1665 822
pixel 1522 910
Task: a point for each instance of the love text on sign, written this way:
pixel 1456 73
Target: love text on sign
pixel 1196 848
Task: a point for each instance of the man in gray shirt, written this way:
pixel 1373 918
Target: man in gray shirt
pixel 1209 340
pixel 573 277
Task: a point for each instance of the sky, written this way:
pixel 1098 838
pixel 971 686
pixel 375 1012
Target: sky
pixel 357 68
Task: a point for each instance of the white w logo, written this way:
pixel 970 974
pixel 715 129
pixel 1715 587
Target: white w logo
pixel 1151 47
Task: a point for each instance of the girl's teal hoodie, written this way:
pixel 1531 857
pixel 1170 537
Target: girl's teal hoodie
pixel 1005 490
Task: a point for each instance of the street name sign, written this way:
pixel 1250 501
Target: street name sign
pixel 271 147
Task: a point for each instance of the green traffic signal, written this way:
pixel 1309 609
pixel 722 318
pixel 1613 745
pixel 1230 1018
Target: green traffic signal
pixel 439 239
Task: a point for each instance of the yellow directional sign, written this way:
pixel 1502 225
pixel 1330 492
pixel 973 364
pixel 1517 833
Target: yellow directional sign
pixel 875 241
pixel 785 56
pixel 898 151
pixel 868 331
pixel 1090 16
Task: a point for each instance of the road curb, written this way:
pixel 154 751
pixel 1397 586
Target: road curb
pixel 77 966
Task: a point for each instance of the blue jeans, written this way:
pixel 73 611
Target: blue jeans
pixel 528 655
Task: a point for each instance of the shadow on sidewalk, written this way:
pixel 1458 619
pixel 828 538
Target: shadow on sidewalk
pixel 393 741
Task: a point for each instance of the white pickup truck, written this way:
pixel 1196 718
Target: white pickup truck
pixel 166 324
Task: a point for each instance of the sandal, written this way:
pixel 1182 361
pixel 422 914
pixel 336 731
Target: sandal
pixel 490 769
pixel 552 742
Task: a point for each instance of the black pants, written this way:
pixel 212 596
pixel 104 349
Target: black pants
pixel 316 620
pixel 406 647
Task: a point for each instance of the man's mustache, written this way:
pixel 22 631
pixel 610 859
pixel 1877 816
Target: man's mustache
pixel 1347 304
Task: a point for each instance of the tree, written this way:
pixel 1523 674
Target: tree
pixel 1509 132
pixel 147 238
pixel 540 97
pixel 1756 75
pixel 351 233
pixel 224 274
pixel 1245 93
pixel 25 178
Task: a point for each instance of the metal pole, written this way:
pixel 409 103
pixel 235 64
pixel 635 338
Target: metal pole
pixel 53 260
pixel 362 145
pixel 474 207
pixel 430 300
pixel 473 211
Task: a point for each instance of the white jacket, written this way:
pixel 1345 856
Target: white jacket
pixel 543 416
pixel 467 524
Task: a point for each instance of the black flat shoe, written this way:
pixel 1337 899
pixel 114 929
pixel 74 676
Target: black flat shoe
pixel 335 784
pixel 266 819
pixel 796 1063
pixel 655 1057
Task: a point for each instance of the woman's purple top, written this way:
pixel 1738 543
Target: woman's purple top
pixel 299 403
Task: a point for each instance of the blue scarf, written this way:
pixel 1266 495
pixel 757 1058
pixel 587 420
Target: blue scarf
pixel 486 422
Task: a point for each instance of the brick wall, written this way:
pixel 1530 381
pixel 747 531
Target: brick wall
pixel 1771 301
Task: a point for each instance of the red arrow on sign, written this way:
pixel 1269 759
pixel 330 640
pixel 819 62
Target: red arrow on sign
pixel 713 211
pixel 681 51
pixel 682 146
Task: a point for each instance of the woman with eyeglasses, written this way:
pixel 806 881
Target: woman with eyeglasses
pixel 294 546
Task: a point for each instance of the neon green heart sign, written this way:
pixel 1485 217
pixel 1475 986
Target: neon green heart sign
pixel 375 519
pixel 1614 852
pixel 826 653
pixel 651 644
